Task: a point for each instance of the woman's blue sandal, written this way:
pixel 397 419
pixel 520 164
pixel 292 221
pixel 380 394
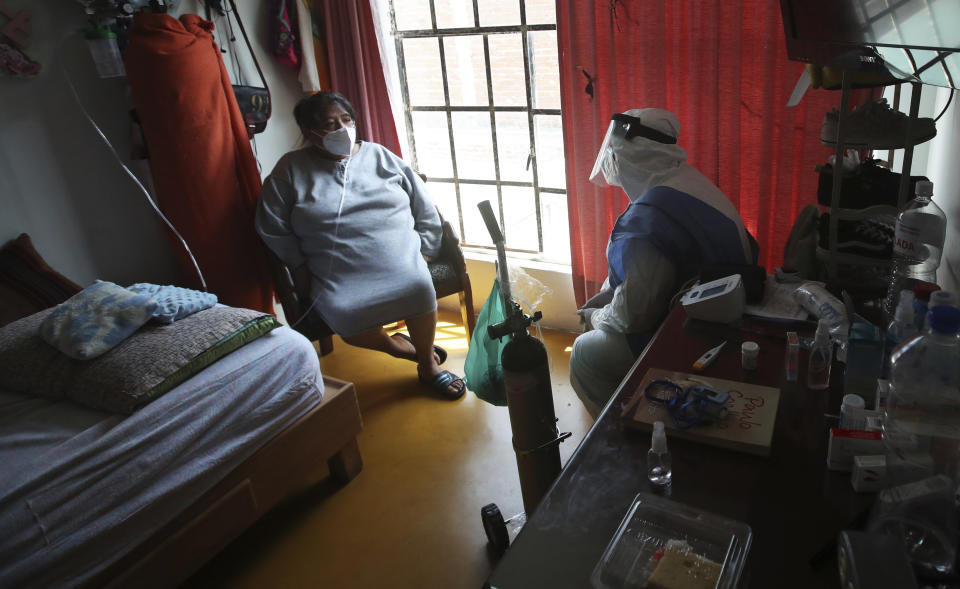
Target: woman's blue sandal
pixel 442 382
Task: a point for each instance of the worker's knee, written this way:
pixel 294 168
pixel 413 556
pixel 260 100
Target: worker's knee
pixel 598 362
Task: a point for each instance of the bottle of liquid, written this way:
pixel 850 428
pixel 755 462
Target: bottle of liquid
pixel 921 434
pixel 924 400
pixel 901 328
pixel 917 244
pixel 659 470
pixel 821 357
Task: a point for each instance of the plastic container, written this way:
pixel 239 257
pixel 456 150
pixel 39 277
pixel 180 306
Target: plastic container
pixel 851 412
pixel 820 359
pixel 921 433
pixel 651 523
pixel 659 470
pixel 922 417
pixel 791 360
pixel 749 355
pixel 917 243
pixel 102 43
pixel 901 328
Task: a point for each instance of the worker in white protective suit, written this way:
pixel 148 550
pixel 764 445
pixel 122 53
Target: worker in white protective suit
pixel 677 222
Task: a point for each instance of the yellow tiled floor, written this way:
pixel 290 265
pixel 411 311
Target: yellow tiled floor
pixel 411 518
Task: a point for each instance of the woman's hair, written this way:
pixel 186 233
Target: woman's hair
pixel 308 109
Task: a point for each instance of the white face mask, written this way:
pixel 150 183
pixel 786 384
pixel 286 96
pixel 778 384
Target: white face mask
pixel 339 142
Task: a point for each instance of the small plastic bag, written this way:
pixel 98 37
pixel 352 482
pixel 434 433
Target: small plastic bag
pixel 483 372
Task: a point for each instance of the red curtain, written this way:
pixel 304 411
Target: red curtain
pixel 356 70
pixel 203 167
pixel 722 68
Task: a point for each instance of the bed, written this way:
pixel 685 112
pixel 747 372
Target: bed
pixel 91 498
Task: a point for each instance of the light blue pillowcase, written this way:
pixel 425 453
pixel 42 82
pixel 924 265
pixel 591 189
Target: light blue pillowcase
pixel 174 302
pixel 96 319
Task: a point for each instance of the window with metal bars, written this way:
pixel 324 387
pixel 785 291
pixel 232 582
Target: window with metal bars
pixel 480 88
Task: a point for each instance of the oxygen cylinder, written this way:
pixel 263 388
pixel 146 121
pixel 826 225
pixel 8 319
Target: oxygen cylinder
pixel 526 376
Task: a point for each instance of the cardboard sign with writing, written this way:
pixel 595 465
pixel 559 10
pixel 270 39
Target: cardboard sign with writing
pixel 748 427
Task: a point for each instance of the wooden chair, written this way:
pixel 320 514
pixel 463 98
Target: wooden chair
pixel 448 271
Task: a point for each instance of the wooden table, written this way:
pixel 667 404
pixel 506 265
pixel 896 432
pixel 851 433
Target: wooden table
pixel 795 506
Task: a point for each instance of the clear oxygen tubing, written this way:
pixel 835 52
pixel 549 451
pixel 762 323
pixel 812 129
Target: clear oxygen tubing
pixel 336 233
pixel 133 176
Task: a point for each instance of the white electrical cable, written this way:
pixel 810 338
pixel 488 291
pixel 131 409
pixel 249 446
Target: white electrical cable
pixel 133 176
pixel 336 233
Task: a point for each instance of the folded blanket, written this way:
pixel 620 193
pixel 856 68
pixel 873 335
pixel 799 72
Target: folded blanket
pixel 174 302
pixel 96 319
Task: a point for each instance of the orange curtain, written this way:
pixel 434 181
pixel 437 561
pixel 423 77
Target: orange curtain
pixel 203 167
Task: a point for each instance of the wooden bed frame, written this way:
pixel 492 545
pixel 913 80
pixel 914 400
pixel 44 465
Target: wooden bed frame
pixel 283 466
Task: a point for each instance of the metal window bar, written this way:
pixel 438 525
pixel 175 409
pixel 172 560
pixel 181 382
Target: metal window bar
pixel 529 79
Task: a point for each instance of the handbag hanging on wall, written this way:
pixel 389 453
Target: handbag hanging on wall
pixel 254 102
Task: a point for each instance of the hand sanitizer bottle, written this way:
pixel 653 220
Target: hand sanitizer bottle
pixel 658 457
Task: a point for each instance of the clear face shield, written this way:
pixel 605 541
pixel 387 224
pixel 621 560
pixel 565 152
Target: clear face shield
pixel 622 129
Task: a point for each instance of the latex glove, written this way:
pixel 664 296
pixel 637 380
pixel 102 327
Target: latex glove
pixel 585 315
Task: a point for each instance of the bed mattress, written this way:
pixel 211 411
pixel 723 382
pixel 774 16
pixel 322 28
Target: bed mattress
pixel 79 488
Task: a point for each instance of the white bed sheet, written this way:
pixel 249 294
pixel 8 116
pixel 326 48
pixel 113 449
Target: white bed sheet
pixel 79 488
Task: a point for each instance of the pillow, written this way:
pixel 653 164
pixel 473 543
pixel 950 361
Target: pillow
pixel 174 302
pixel 27 283
pixel 144 366
pixel 96 319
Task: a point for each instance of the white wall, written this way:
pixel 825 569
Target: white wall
pixel 558 305
pixel 943 171
pixel 58 180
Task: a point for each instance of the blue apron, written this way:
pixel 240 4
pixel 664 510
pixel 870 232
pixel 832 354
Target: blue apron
pixel 687 231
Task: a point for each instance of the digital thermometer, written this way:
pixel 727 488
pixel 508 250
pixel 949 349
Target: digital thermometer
pixel 707 358
pixel 721 300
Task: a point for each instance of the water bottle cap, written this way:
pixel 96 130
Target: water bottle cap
pixel 924 188
pixel 945 319
pixel 942 297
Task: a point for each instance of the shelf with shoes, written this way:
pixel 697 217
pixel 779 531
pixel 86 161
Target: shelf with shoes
pixel 854 252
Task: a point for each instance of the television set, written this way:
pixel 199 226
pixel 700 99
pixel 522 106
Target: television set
pixel 915 39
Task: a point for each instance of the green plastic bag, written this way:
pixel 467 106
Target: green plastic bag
pixel 483 372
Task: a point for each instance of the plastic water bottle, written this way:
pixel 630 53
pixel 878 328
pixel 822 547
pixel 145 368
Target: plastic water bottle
pixel 921 432
pixel 659 470
pixel 924 401
pixel 917 244
pixel 901 328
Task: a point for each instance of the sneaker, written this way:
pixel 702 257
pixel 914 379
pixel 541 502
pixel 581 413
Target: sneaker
pixel 875 125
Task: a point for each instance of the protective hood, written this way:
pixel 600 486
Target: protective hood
pixel 639 151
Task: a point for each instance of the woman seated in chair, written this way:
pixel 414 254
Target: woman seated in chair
pixel 356 224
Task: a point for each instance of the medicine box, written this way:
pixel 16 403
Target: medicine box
pixel 869 473
pixel 844 444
